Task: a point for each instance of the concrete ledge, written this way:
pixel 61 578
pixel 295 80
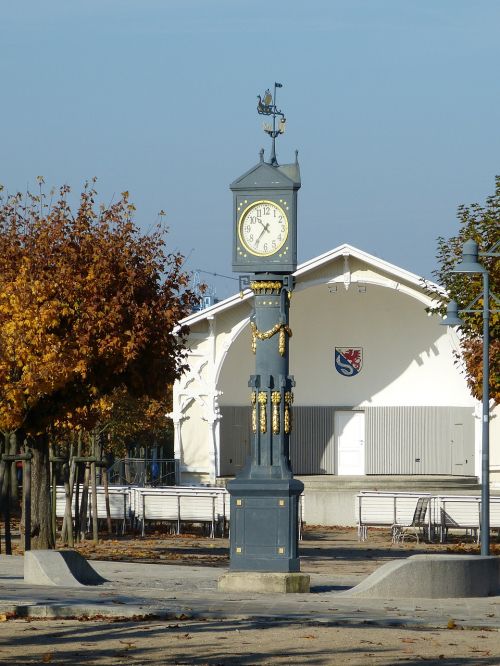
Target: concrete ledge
pixel 264 582
pixel 65 568
pixel 432 577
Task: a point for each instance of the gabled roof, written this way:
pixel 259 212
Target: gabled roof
pixel 370 259
pixel 263 175
pixel 306 268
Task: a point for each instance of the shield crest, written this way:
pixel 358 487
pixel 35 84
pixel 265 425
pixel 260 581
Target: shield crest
pixel 348 360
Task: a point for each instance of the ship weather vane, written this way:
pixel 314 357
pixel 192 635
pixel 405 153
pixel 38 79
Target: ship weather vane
pixel 267 107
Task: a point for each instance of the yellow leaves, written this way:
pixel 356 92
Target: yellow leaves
pixel 81 367
pixel 104 405
pixel 82 307
pixel 9 615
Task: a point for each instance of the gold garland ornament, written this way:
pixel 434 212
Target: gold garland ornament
pixel 282 329
pixel 276 399
pixel 262 287
pixel 262 411
pixel 253 399
pixel 288 412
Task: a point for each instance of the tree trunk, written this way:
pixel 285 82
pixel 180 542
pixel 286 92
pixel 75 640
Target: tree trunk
pixel 5 504
pixel 95 513
pixel 67 528
pixel 77 486
pixel 84 503
pixel 93 483
pixel 27 502
pixel 69 481
pixel 14 492
pixel 106 498
pixel 98 453
pixel 41 532
pixel 53 495
pixel 3 446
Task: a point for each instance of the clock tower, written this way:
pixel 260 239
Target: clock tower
pixel 264 495
pixel 265 218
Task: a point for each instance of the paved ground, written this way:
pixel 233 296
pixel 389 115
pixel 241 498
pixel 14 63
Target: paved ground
pixel 172 613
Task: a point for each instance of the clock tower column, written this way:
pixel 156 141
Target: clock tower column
pixel 265 496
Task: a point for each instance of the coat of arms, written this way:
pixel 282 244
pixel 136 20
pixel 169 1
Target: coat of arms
pixel 348 360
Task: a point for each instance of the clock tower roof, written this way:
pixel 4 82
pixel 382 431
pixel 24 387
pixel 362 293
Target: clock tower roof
pixel 266 176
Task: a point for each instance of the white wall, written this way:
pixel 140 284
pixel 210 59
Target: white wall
pixel 407 356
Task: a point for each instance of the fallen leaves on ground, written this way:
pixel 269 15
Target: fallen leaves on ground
pixel 157 549
pixel 9 615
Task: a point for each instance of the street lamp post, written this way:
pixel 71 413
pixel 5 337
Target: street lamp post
pixel 470 264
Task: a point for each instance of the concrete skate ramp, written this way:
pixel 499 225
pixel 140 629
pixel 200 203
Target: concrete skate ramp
pixel 64 568
pixel 432 577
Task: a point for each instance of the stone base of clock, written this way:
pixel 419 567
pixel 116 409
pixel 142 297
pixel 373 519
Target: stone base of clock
pixel 264 525
pixel 264 583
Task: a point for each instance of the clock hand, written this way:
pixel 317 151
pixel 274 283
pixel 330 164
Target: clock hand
pixel 266 228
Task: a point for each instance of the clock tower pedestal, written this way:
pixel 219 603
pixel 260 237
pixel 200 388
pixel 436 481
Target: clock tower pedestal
pixel 265 496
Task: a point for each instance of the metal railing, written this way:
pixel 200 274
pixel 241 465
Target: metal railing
pixel 145 472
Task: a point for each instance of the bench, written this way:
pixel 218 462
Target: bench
pixel 419 522
pixel 463 512
pixel 415 513
pixel 177 504
pixel 119 504
pixel 396 510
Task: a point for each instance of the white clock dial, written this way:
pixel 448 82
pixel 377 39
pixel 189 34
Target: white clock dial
pixel 263 228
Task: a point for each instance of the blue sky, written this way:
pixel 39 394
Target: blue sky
pixel 394 107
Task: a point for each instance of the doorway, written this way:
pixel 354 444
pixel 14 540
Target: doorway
pixel 462 458
pixel 350 439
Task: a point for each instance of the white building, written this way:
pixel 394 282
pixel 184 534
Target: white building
pixel 399 407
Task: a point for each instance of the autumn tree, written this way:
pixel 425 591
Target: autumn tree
pixel 482 224
pixel 87 304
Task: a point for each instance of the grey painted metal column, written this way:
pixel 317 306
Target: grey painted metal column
pixel 485 452
pixel 264 496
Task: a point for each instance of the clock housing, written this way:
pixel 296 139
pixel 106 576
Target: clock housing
pixel 265 212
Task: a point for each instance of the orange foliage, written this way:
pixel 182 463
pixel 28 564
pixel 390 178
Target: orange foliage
pixel 87 304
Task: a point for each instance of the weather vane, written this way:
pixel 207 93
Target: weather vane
pixel 267 107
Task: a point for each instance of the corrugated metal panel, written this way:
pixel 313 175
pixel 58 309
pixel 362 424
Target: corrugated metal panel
pixel 312 442
pixel 416 440
pixel 234 439
pixel 399 440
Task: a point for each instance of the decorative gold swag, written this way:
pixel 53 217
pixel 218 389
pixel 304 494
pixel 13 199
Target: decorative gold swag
pixel 283 329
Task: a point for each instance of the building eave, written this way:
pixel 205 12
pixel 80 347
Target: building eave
pixel 399 274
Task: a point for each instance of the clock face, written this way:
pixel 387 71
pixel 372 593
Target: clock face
pixel 263 228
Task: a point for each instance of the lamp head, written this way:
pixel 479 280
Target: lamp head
pixel 469 262
pixel 452 317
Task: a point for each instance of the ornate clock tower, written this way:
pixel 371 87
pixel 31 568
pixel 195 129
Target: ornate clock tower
pixel 265 496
